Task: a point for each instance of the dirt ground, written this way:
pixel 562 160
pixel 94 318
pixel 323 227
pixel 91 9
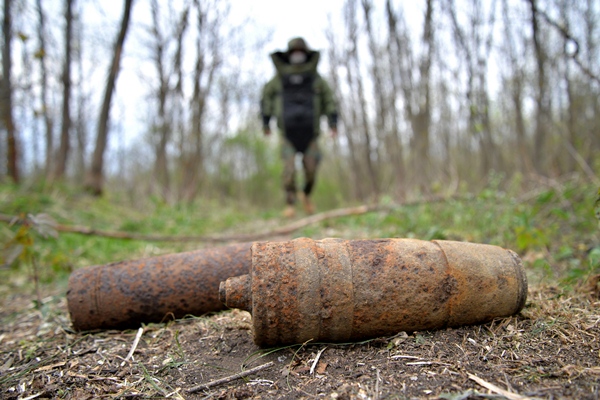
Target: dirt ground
pixel 551 350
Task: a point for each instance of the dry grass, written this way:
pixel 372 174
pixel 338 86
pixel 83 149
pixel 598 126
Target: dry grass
pixel 550 350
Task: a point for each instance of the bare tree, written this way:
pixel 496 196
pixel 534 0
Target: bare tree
pixel 45 106
pixel 385 103
pixel 163 125
pixel 572 107
pixel 82 94
pixel 352 122
pixel 415 83
pixel 514 81
pixel 591 33
pixel 335 63
pixel 65 137
pixel 358 108
pixel 6 106
pixel 476 51
pixel 95 179
pixel 393 140
pixel 542 96
pixel 24 95
pixel 578 86
pixel 208 60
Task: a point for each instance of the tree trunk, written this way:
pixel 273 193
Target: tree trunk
pixel 515 82
pixel 208 61
pixel 370 151
pixel 476 52
pixel 334 63
pixel 381 105
pixel 416 89
pixel 542 98
pixel 162 126
pixel 95 179
pixel 12 165
pixel 572 109
pixel 45 111
pixel 593 127
pixel 352 123
pixel 193 160
pixel 65 137
pixel 82 101
pixel 491 156
pixel 396 148
pixel 166 119
pixel 359 108
pixel 422 120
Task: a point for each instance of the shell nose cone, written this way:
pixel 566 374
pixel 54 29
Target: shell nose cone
pixel 236 292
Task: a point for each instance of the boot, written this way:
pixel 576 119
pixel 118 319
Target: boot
pixel 289 211
pixel 309 208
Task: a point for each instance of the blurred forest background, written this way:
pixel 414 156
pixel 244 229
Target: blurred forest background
pixel 500 91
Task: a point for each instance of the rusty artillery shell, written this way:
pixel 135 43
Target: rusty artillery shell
pixel 346 290
pixel 125 294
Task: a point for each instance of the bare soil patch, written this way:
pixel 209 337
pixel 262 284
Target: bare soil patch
pixel 550 350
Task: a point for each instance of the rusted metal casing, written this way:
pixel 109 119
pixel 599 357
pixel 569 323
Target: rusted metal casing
pixel 337 290
pixel 126 294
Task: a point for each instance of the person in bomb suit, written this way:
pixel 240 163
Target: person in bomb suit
pixel 298 97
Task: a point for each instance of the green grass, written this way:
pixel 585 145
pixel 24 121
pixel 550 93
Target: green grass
pixel 57 256
pixel 554 230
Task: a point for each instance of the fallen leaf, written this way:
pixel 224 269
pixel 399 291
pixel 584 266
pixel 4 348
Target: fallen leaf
pixel 321 367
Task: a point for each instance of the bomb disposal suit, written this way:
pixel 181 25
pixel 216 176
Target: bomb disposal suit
pixel 298 97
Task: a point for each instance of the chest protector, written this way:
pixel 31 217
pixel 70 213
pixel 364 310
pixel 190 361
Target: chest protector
pixel 298 109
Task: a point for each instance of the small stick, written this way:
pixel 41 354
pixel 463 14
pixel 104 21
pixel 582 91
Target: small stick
pixel 134 345
pixel 377 385
pixel 314 364
pixel 230 378
pixel 496 389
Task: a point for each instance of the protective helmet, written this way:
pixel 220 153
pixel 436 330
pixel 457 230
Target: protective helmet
pixel 297 44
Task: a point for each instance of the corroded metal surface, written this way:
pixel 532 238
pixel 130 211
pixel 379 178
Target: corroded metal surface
pixel 338 290
pixel 125 294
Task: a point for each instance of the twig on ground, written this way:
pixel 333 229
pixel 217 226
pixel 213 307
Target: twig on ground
pixel 230 378
pixel 33 396
pixel 314 364
pixel 284 230
pixel 249 237
pixel 281 231
pixel 496 389
pixel 134 345
pixel 582 163
pixel 404 356
pixel 377 379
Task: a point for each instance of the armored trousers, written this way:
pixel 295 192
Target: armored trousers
pixel 310 161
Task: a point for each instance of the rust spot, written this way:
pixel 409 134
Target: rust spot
pixel 448 287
